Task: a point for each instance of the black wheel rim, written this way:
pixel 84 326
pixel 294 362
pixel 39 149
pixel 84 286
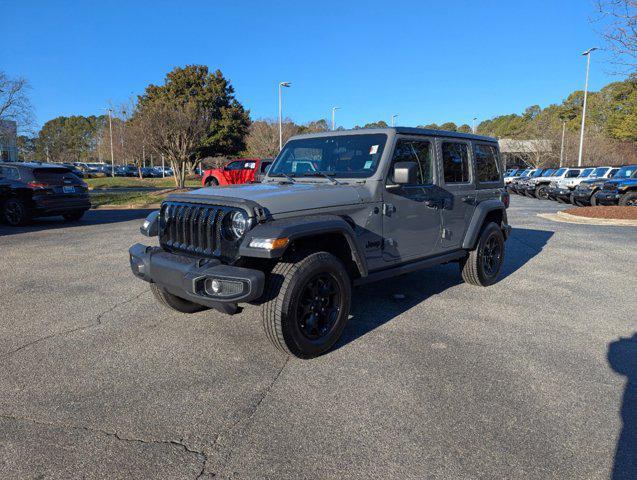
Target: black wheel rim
pixel 491 256
pixel 13 212
pixel 541 193
pixel 319 306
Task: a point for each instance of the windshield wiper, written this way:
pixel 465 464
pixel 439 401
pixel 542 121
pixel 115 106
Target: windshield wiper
pixel 328 175
pixel 283 174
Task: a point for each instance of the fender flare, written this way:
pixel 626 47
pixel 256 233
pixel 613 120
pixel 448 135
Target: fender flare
pixel 303 227
pixel 479 214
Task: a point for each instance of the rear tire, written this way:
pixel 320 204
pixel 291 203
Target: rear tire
pixel 16 212
pixel 307 304
pixel 482 266
pixel 173 302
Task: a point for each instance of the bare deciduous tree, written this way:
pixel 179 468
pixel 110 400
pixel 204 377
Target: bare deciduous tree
pixel 173 130
pixel 14 102
pixel 620 33
pixel 263 137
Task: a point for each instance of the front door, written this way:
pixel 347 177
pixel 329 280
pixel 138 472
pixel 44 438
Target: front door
pixel 411 213
pixel 457 180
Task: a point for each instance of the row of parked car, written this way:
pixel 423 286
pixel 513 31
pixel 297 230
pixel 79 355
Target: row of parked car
pixel 580 186
pixel 83 169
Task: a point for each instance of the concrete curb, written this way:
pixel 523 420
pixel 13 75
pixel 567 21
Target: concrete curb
pixel 568 218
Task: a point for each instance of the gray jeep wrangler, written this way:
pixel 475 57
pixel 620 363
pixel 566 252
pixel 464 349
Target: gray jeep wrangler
pixel 335 210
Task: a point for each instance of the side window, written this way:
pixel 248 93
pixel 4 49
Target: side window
pixel 487 163
pixel 572 173
pixel 234 166
pixel 9 173
pixel 418 151
pixel 455 162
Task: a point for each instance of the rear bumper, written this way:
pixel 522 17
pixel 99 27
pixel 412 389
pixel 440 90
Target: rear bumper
pixel 59 204
pixel 190 278
pixel 607 198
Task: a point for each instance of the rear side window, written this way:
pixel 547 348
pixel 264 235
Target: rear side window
pixel 235 166
pixel 572 173
pixel 417 151
pixel 264 166
pixel 9 173
pixel 52 175
pixel 455 162
pixel 487 163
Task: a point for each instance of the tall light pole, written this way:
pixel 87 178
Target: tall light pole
pixel 562 147
pixel 333 113
pixel 473 125
pixel 282 84
pixel 110 128
pixel 393 119
pixel 587 54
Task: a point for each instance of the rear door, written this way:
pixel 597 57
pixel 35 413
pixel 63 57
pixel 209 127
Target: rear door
pixel 457 179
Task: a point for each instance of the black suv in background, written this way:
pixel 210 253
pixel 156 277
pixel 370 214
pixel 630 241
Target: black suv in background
pixel 29 190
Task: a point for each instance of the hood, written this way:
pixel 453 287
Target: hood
pixel 288 197
pixel 595 181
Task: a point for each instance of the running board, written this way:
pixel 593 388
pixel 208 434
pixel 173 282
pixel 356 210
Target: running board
pixel 410 267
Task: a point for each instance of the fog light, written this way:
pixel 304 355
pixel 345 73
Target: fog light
pixel 215 285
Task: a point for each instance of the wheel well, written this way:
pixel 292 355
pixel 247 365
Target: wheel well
pixel 334 243
pixel 495 216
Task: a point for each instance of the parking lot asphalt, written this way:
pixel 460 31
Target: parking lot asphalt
pixel 529 378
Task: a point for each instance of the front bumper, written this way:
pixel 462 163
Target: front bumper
pixel 190 278
pixel 607 198
pixel 582 195
pixel 558 192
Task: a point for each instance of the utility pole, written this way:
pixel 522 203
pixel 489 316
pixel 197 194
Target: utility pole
pixel 562 147
pixel 281 84
pixel 110 128
pixel 163 167
pixel 393 119
pixel 473 128
pixel 587 54
pixel 333 113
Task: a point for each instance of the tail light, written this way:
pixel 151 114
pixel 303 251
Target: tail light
pixel 37 185
pixel 506 198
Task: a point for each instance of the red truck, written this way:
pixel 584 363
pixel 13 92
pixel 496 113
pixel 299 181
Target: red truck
pixel 241 170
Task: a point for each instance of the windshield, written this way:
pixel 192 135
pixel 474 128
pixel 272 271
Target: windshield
pixel 559 172
pixel 599 172
pixel 344 156
pixel 626 172
pixel 586 172
pixel 537 173
pixel 548 173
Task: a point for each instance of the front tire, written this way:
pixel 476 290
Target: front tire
pixel 173 302
pixel 212 182
pixel 307 304
pixel 482 266
pixel 628 199
pixel 16 213
pixel 541 192
pixel 593 200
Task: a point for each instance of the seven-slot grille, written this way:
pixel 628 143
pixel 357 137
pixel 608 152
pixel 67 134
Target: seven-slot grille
pixel 192 228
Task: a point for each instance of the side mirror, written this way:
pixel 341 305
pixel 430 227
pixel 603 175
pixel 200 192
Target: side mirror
pixel 405 173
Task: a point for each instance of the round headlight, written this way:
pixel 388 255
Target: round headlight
pixel 238 224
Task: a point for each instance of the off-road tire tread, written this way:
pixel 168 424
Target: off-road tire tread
pixel 172 302
pixel 623 201
pixel 276 288
pixel 469 266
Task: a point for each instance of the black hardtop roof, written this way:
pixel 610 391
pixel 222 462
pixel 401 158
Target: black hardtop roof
pixel 400 130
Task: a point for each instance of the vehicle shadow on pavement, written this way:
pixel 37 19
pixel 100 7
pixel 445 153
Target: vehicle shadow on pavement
pixel 376 304
pixel 622 358
pixel 92 217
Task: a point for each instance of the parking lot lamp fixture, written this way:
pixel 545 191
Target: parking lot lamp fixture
pixel 333 113
pixel 587 54
pixel 393 120
pixel 281 85
pixel 473 129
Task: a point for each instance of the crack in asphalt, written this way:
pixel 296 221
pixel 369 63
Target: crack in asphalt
pixel 201 456
pixel 242 423
pixel 98 321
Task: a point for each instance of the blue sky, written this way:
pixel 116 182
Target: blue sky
pixel 426 61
